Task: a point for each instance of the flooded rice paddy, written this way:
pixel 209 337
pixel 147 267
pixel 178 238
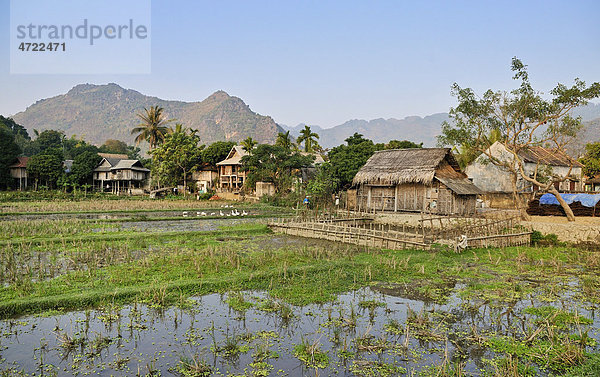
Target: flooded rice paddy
pixel 361 333
pixel 523 312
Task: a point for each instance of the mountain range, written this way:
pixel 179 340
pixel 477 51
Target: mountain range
pixel 380 130
pixel 100 112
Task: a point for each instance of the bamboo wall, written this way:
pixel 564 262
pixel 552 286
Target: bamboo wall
pixel 413 197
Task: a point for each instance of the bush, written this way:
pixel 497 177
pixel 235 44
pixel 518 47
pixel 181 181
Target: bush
pixel 539 239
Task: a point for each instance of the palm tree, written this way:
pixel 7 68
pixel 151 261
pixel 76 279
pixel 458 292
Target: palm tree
pixel 180 128
pixel 153 128
pixel 285 140
pixel 248 144
pixel 309 139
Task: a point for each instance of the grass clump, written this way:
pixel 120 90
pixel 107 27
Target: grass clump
pixel 311 354
pixel 194 367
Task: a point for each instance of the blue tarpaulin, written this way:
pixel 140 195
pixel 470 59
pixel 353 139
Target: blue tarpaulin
pixel 587 200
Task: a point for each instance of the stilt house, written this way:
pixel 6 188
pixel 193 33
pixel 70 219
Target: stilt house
pixel 419 179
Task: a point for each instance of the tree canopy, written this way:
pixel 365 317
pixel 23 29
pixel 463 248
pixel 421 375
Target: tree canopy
pixel 174 160
pixel 346 160
pixel 46 167
pixel 591 160
pixel 83 167
pixel 9 153
pixel 284 139
pixel 248 144
pixel 519 119
pixel 402 144
pixel 153 127
pixel 309 139
pixel 216 152
pixel 275 164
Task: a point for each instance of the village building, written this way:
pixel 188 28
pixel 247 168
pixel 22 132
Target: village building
pixel 118 174
pixel 206 177
pixel 18 171
pixel 497 181
pixel 418 179
pixel 592 184
pixel 231 175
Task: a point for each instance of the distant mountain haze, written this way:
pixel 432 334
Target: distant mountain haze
pixel 381 130
pixel 100 112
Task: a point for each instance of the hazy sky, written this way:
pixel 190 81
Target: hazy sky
pixel 324 62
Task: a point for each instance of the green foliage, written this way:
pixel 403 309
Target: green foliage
pixel 83 167
pixel 309 139
pixel 248 144
pixel 48 139
pixel 73 147
pixel 46 168
pixel 346 160
pixel 311 354
pixel 285 140
pixel 590 368
pixel 519 118
pixel 591 159
pixel 153 127
pixel 9 152
pixel 216 152
pixel 16 129
pixel 324 184
pixel 275 164
pixel 539 239
pixel 174 160
pixel 114 146
pixel 404 144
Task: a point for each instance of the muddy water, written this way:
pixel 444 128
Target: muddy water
pixel 132 339
pixel 183 226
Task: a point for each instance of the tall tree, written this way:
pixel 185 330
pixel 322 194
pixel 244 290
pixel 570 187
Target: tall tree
pixel 404 144
pixel 346 160
pixel 46 167
pixel 591 160
pixel 9 151
pixel 174 160
pixel 248 144
pixel 216 152
pixel 114 146
pixel 153 128
pixel 519 119
pixel 284 139
pixel 309 139
pixel 83 167
pixel 275 164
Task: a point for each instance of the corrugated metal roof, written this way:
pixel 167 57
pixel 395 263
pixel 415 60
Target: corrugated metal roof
pixel 541 155
pixel 460 186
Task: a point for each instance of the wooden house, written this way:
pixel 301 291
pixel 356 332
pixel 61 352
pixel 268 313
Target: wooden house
pixel 231 175
pixel 419 179
pixel 118 174
pixel 18 171
pixel 206 177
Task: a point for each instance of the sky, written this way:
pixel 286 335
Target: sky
pixel 325 62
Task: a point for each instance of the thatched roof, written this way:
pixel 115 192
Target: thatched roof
pixel 415 165
pixel 395 166
pixel 234 157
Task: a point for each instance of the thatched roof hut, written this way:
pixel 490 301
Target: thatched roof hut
pixel 419 179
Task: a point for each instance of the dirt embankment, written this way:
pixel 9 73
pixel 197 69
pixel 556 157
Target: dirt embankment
pixel 582 230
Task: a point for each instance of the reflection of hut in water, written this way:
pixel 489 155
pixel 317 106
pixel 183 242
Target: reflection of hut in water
pixel 419 179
